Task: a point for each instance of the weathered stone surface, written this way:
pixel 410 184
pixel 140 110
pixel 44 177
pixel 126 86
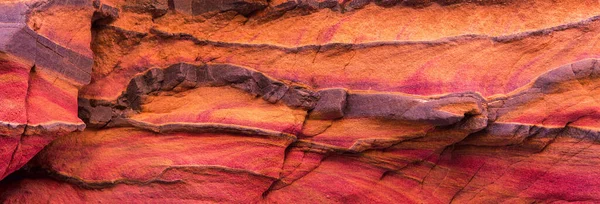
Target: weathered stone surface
pixel 559 98
pixel 331 104
pixel 198 7
pixel 156 8
pixel 35 40
pixel 34 112
pixel 309 101
pixel 40 75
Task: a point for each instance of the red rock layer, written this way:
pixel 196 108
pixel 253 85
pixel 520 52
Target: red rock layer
pixel 41 72
pixel 317 101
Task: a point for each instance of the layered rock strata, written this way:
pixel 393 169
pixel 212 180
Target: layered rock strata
pixel 251 101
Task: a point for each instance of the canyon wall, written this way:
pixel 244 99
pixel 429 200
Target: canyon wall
pixel 299 101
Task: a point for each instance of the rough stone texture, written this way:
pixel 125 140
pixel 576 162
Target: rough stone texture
pixel 40 75
pixel 331 104
pixel 303 101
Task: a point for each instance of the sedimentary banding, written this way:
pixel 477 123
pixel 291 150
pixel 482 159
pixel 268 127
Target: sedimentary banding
pixel 560 97
pixel 37 107
pixel 409 67
pixel 312 101
pixel 338 103
pixel 437 110
pixel 22 41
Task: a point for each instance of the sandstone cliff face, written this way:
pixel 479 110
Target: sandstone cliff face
pixel 299 101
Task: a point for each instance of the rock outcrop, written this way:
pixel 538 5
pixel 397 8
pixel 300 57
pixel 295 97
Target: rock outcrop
pixel 317 101
pixel 43 64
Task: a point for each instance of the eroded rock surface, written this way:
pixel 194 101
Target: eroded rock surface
pixel 318 101
pixel 43 64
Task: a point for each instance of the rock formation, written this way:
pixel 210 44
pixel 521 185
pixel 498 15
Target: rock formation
pixel 299 101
